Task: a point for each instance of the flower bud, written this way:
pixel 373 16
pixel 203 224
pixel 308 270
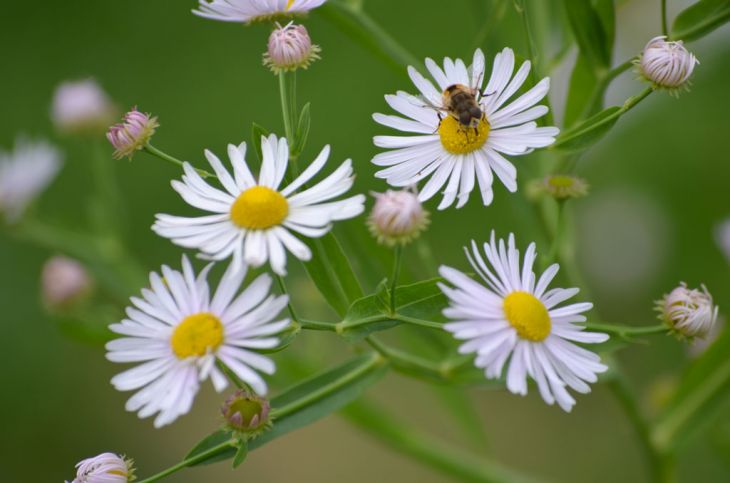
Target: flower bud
pixel 397 217
pixel 666 64
pixel 290 48
pixel 106 467
pixel 82 107
pixel 246 413
pixel 132 134
pixel 689 313
pixel 64 282
pixel 561 187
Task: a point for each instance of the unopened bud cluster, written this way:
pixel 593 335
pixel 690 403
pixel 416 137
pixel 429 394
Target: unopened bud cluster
pixel 688 312
pixel 560 187
pixel 290 48
pixel 132 134
pixel 668 65
pixel 397 217
pixel 246 413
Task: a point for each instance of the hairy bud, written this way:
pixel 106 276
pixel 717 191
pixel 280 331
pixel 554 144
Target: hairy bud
pixel 132 134
pixel 666 64
pixel 397 217
pixel 106 467
pixel 688 312
pixel 290 48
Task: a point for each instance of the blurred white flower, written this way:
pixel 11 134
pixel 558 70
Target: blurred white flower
pixel 248 11
pixel 444 148
pixel 688 312
pixel 290 48
pixel 80 106
pixel 516 315
pixel 24 174
pixel 666 64
pixel 252 218
pixel 64 282
pixel 397 217
pixel 178 332
pixel 104 468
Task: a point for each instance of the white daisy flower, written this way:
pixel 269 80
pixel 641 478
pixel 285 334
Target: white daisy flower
pixel 24 174
pixel 515 315
pixel 252 218
pixel 249 11
pixel 457 153
pixel 178 332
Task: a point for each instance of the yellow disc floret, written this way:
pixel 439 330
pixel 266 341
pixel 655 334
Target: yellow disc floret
pixel 459 139
pixel 527 315
pixel 196 335
pixel 289 4
pixel 259 208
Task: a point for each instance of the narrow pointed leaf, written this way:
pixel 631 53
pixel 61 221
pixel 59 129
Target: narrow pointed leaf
pixel 700 19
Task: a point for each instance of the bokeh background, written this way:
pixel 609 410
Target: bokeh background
pixel 659 186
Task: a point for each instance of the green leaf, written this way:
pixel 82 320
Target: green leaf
pixel 257 132
pixel 303 404
pixel 606 11
pixel 700 19
pixel 302 131
pixel 361 28
pixel 241 454
pixel 587 132
pixel 583 99
pixel 422 300
pixel 321 395
pixel 209 442
pixel 331 272
pixel 589 32
pixel 700 394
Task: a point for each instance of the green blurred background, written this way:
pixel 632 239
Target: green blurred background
pixel 659 185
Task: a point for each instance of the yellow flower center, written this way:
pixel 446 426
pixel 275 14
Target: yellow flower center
pixel 289 4
pixel 527 315
pixel 196 335
pixel 459 139
pixel 258 208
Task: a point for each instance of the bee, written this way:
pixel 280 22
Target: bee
pixel 460 102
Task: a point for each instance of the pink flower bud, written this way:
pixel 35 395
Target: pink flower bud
pixel 82 106
pixel 397 217
pixel 666 64
pixel 688 312
pixel 132 134
pixel 106 467
pixel 64 282
pixel 290 48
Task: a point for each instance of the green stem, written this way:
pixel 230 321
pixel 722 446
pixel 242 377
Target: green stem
pixel 554 252
pixel 410 364
pixel 624 395
pixel 282 286
pixel 150 149
pixel 394 277
pixel 106 212
pixel 665 30
pixel 107 258
pixel 460 465
pixel 231 375
pixel 666 430
pixel 199 458
pixel 627 330
pixel 285 95
pixel 376 360
pixel 317 325
pixel 529 40
pixel 359 26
